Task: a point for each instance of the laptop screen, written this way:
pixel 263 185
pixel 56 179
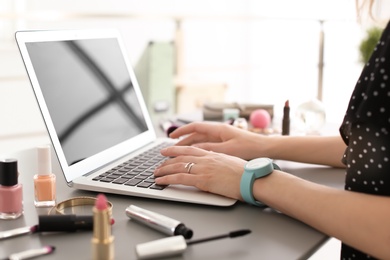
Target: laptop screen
pixel 89 94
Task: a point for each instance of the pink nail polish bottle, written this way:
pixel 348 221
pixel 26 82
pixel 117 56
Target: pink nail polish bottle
pixel 44 180
pixel 11 193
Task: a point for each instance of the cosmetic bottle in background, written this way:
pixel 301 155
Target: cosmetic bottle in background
pixel 44 180
pixel 11 192
pixel 286 119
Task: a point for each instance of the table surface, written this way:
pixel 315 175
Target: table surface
pixel 274 235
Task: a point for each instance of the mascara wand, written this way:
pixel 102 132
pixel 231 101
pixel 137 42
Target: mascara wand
pixel 175 245
pixel 232 234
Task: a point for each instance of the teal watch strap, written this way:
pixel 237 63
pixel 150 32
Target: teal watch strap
pixel 255 169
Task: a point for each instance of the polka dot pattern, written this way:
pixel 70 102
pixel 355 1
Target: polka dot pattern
pixel 365 130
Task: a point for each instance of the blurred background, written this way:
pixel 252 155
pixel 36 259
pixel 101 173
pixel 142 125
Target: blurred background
pixel 245 51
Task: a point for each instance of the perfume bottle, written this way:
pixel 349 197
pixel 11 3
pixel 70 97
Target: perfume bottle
pixel 44 180
pixel 11 193
pixel 311 117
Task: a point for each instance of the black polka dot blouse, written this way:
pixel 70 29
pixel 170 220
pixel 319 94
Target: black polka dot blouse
pixel 365 130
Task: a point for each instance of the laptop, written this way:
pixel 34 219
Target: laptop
pixel 96 116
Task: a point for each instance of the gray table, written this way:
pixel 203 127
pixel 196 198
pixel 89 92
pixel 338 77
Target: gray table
pixel 274 235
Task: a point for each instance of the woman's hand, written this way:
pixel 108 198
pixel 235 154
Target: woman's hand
pixel 218 137
pixel 212 172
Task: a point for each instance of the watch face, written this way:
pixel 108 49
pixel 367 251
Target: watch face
pixel 257 163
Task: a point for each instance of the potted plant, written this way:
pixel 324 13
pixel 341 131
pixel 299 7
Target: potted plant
pixel 367 45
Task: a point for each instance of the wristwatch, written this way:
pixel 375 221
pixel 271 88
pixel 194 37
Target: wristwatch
pixel 254 169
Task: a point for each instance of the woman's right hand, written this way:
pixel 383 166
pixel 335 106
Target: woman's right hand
pixel 219 137
pixel 209 171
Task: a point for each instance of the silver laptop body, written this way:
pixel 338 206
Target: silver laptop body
pixel 94 110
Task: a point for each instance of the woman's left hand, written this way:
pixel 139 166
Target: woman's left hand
pixel 208 171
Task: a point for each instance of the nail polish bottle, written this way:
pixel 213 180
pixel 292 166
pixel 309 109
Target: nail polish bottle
pixel 11 193
pixel 44 180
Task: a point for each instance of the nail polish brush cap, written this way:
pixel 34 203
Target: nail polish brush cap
pixel 44 160
pixel 8 172
pixel 160 248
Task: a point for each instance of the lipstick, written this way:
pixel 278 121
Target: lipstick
pixel 102 241
pixel 286 119
pixel 53 223
pixel 64 223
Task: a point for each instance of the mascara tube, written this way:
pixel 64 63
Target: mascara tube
pixel 158 222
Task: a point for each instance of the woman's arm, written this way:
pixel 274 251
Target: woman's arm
pixel 359 220
pixel 326 150
pixel 224 138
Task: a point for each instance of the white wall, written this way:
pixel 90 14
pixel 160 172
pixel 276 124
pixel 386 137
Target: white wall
pixel 266 51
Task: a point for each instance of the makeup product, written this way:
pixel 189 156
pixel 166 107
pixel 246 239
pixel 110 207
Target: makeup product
pixel 31 253
pixel 11 193
pixel 64 223
pixel 230 114
pixel 260 118
pixel 176 245
pixel 102 241
pixel 44 180
pixel 54 223
pixel 18 232
pixel 158 222
pixel 168 126
pixel 241 123
pixel 286 119
pixel 71 204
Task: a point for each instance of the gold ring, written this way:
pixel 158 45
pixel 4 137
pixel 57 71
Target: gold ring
pixel 77 201
pixel 189 166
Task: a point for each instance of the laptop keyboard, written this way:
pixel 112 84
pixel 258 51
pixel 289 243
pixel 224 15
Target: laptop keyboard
pixel 137 171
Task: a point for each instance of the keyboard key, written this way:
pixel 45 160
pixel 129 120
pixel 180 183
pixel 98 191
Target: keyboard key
pixel 158 187
pixel 145 184
pixel 120 181
pixel 137 171
pixel 141 177
pixel 133 182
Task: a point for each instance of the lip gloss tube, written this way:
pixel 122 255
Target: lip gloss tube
pixel 159 222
